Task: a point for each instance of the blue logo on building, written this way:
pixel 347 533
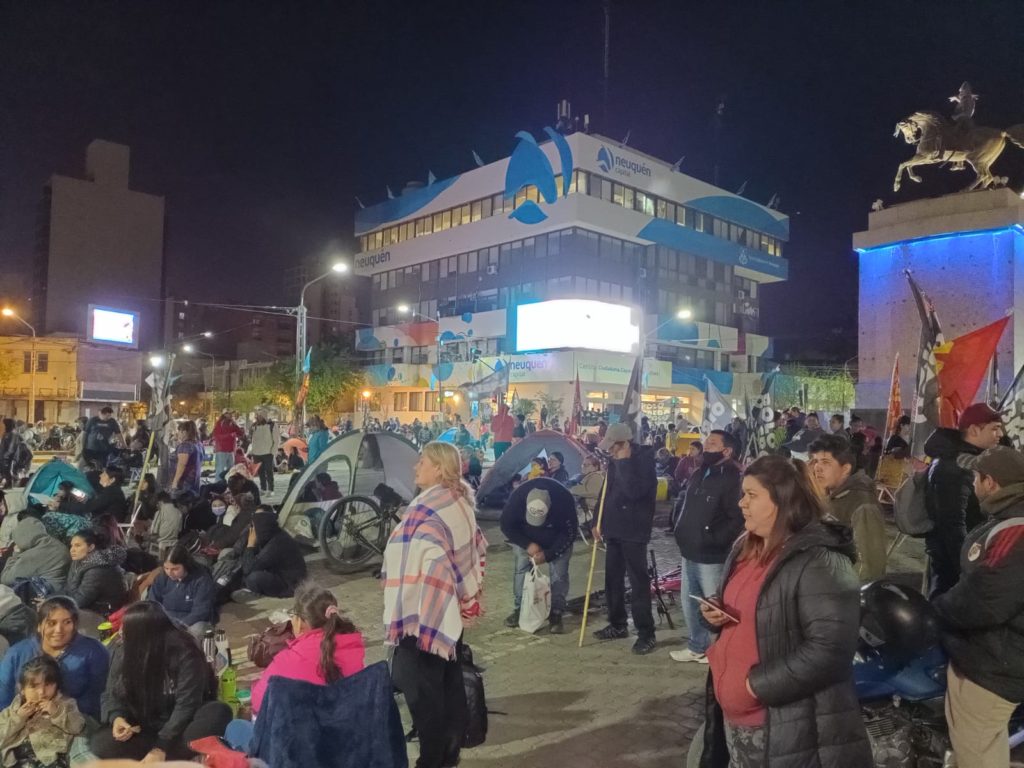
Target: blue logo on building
pixel 605 159
pixel 529 165
pixel 608 161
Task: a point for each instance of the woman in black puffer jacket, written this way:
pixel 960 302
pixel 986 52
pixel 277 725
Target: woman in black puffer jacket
pixel 780 689
pixel 95 580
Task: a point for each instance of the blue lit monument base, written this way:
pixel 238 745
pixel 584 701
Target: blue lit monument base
pixel 966 251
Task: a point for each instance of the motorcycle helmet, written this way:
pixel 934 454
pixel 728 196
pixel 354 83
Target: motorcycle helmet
pixel 897 621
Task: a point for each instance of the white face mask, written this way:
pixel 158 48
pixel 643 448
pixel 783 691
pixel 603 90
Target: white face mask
pixel 219 509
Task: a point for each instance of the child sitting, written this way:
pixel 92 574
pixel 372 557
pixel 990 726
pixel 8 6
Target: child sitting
pixel 37 728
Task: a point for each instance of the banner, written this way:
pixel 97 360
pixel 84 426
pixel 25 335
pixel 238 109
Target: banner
pixel 577 410
pixel 925 411
pixel 718 411
pixel 895 411
pixel 961 365
pixel 1012 406
pixel 761 419
pixel 631 403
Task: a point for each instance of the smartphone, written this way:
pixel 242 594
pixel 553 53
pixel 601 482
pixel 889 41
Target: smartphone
pixel 714 607
pixel 78 494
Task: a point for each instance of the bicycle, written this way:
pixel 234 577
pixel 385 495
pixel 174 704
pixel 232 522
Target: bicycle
pixel 355 530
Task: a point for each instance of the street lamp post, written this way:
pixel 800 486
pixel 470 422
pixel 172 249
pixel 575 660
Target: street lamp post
pixel 191 349
pixel 301 315
pixel 405 309
pixel 8 312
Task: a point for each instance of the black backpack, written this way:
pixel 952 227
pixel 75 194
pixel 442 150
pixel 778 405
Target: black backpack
pixel 476 702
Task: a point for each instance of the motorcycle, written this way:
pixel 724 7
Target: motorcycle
pixel 899 671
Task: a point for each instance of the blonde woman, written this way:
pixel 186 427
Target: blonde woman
pixel 433 582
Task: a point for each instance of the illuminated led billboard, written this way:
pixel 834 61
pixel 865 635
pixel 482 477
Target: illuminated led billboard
pixel 113 326
pixel 576 324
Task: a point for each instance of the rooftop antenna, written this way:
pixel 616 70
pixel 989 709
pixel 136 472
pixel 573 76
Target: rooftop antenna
pixel 359 202
pixel 625 141
pixel 743 187
pixel 676 165
pixel 563 121
pixel 391 195
pixel 716 130
pixel 477 160
pixel 607 56
pixel 431 178
pixel 586 123
pixel 773 201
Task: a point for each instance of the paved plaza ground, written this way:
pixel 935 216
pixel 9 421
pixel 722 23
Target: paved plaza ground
pixel 598 706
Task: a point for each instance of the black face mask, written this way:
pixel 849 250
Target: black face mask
pixel 712 457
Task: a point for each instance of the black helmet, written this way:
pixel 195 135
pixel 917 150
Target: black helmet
pixel 896 620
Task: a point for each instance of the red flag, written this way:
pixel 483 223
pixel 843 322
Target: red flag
pixel 895 400
pixel 962 364
pixel 577 410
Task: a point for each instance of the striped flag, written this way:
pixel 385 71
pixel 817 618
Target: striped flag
pixel 925 410
pixel 631 405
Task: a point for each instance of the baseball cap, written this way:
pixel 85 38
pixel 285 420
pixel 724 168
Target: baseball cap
pixel 1003 464
pixel 617 433
pixel 538 502
pixel 978 415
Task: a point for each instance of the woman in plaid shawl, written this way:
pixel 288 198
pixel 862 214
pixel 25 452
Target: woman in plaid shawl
pixel 433 582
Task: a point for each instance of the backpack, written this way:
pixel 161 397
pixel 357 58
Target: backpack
pixel 22 458
pixel 909 507
pixel 476 703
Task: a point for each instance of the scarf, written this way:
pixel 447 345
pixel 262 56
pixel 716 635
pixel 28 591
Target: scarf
pixel 433 572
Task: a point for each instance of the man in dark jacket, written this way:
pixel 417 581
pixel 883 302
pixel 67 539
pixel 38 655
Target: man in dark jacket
pixel 708 524
pixel 983 615
pixel 539 519
pixel 632 488
pixel 949 496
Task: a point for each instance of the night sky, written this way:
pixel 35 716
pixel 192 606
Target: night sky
pixel 260 122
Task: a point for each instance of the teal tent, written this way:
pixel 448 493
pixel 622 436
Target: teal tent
pixel 45 481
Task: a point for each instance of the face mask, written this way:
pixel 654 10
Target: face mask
pixel 712 457
pixel 219 509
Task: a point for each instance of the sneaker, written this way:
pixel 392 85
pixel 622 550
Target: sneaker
pixel 644 645
pixel 512 620
pixel 243 596
pixel 555 626
pixel 612 633
pixel 687 655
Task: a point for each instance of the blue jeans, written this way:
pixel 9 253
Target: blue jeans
pixel 703 580
pixel 558 571
pixel 222 462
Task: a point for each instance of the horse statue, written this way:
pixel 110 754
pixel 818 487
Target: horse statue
pixel 939 140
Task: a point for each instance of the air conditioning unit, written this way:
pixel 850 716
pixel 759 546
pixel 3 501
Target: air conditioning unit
pixel 492 269
pixel 643 272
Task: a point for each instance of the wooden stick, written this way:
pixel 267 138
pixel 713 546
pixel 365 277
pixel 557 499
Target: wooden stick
pixel 593 558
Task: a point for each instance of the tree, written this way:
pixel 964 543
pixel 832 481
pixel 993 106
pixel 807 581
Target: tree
pixel 526 407
pixel 553 406
pixel 9 368
pixel 333 375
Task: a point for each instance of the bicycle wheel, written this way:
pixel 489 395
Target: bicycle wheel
pixel 352 533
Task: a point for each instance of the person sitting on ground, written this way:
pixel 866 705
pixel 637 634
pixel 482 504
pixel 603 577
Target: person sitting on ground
pixel 186 591
pixel 165 529
pixel 236 518
pixel 68 499
pixel 326 648
pixel 148 489
pixel 588 487
pixel 17 620
pixel 37 728
pixel 295 462
pixel 272 563
pixel 36 553
pixel 850 497
pixel 556 467
pixel 538 468
pixel 95 581
pixel 540 521
pixel 161 693
pixel 62 525
pixel 281 461
pixel 83 661
pixel 110 499
pixel 326 489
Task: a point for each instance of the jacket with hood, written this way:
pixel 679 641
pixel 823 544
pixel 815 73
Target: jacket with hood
pixel 808 614
pixel 39 554
pixel 226 435
pixel 263 441
pixel 275 551
pixel 96 582
pixel 630 497
pixel 710 518
pixel 189 601
pixel 983 613
pixel 855 504
pixel 109 500
pixel 558 532
pixel 300 660
pixel 502 426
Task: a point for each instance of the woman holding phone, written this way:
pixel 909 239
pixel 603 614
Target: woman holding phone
pixel 780 690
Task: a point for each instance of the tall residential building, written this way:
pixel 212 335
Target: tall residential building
pixel 99 243
pixel 574 217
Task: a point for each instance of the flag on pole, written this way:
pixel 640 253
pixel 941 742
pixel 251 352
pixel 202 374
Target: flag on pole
pixel 718 411
pixel 1012 406
pixel 961 366
pixel 631 402
pixel 895 411
pixel 514 402
pixel 925 410
pixel 300 398
pixel 761 418
pixel 577 410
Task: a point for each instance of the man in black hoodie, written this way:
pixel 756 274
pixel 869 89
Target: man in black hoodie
pixel 983 616
pixel 708 524
pixel 632 488
pixel 949 497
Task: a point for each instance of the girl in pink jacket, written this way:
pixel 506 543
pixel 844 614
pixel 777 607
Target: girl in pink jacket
pixel 326 648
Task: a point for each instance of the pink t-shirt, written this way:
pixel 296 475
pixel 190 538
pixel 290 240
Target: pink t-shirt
pixel 735 653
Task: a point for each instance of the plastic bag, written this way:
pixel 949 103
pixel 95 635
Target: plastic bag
pixel 536 605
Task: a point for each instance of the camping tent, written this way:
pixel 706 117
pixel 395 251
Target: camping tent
pixel 516 460
pixel 357 462
pixel 44 483
pixel 448 436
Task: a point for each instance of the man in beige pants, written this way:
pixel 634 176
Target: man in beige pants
pixel 983 617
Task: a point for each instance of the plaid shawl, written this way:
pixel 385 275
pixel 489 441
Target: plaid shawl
pixel 433 572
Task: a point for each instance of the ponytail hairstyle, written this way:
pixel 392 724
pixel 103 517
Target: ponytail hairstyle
pixel 446 457
pixel 318 608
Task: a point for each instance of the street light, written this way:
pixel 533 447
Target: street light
pixel 191 350
pixel 8 312
pixel 301 313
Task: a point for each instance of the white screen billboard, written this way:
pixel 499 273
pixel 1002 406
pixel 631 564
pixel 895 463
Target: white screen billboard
pixel 576 324
pixel 113 326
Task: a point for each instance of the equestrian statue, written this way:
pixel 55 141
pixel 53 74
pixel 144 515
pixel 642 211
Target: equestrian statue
pixel 957 142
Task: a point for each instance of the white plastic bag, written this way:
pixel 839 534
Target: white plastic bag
pixel 536 605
